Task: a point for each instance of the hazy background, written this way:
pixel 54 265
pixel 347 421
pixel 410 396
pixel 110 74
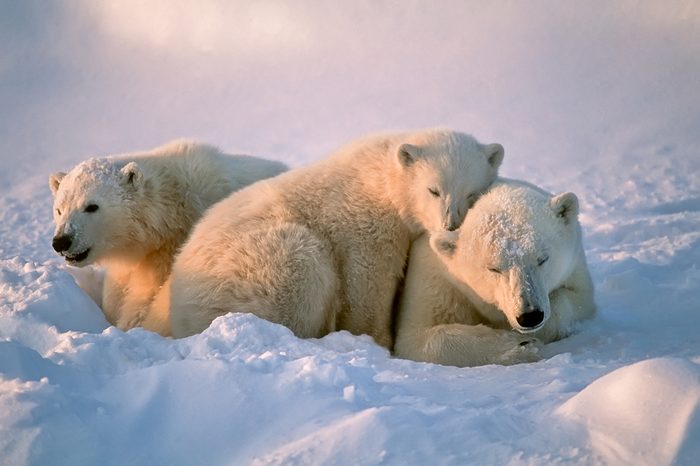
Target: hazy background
pixel 599 98
pixel 293 80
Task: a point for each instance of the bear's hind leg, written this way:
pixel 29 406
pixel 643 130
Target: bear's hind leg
pixel 282 273
pixel 303 283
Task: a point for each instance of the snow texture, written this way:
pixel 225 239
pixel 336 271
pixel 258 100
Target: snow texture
pixel 598 98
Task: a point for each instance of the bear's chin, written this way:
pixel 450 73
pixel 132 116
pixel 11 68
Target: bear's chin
pixel 77 258
pixel 527 330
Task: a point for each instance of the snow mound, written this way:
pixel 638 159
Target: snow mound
pixel 31 292
pixel 647 413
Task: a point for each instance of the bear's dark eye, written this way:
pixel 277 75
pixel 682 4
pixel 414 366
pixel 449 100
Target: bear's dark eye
pixel 91 208
pixel 495 270
pixel 543 260
pixel 58 211
pixel 434 192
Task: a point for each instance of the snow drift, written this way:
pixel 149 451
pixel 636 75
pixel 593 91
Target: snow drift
pixel 597 98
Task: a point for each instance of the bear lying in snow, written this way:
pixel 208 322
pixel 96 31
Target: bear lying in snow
pixel 131 213
pixel 517 263
pixel 324 247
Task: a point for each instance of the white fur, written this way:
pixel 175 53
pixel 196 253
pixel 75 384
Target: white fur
pixel 324 247
pixel 519 250
pixel 146 204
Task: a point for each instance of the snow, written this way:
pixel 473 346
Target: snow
pixel 94 170
pixel 597 98
pixel 645 413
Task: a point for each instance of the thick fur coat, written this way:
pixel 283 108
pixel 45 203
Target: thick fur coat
pixel 324 247
pixel 131 213
pixel 512 277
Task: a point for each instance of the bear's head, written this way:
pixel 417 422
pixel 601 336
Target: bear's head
pixel 448 172
pixel 91 209
pixel 516 245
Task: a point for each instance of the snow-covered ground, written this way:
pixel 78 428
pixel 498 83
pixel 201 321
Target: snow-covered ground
pixel 600 98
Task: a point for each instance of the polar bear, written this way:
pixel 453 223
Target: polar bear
pixel 131 213
pixel 514 275
pixel 324 247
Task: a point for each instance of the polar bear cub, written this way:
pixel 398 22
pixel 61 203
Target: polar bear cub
pixel 131 213
pixel 324 247
pixel 514 272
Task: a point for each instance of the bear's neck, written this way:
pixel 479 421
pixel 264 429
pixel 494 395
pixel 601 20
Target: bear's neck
pixel 397 186
pixel 165 216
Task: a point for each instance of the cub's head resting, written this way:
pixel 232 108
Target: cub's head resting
pixel 517 245
pixel 449 171
pixel 91 209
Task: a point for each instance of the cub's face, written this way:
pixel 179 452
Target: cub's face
pixel 448 176
pixel 90 210
pixel 512 251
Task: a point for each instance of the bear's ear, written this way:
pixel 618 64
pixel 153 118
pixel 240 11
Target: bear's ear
pixel 444 242
pixel 565 206
pixel 408 154
pixel 494 154
pixel 55 180
pixel 130 175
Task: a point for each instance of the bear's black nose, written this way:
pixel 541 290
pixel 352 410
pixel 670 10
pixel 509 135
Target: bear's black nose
pixel 61 243
pixel 530 319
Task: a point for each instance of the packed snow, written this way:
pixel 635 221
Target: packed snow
pixel 597 98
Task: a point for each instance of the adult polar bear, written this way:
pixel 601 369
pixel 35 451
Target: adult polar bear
pixel 131 213
pixel 517 263
pixel 324 247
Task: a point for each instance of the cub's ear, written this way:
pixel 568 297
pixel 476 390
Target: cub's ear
pixel 55 180
pixel 444 242
pixel 408 154
pixel 494 154
pixel 565 206
pixel 131 175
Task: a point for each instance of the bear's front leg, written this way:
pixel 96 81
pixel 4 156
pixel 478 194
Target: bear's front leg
pixel 113 290
pixel 467 345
